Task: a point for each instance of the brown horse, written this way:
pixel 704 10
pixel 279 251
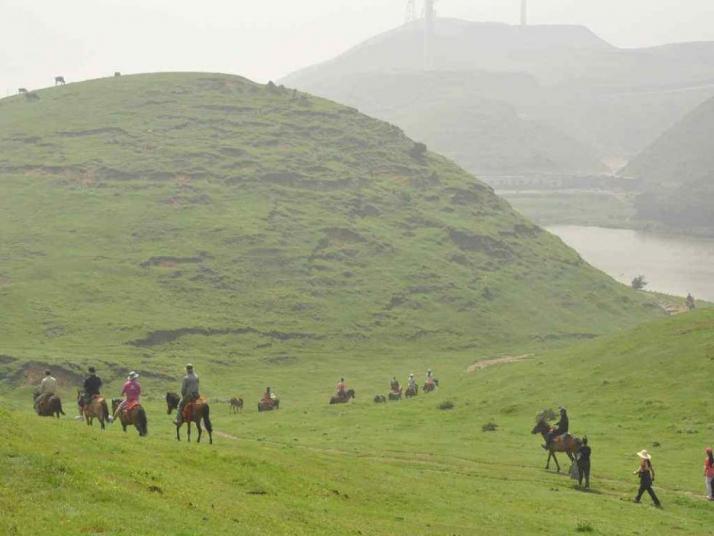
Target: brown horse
pixel 268 405
pixel 50 406
pixel 395 395
pixel 236 405
pixel 95 408
pixel 135 415
pixel 193 411
pixel 412 391
pixel 349 394
pixel 568 443
pixel 430 386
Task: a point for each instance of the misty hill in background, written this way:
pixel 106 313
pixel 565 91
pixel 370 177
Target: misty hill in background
pixel 165 215
pixel 572 102
pixel 678 173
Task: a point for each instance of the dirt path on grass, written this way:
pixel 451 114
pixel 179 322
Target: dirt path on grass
pixel 485 363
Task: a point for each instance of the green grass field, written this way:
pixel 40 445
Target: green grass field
pixel 407 466
pixel 272 238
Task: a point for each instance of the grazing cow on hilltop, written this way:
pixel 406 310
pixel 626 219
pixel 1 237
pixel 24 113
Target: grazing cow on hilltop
pixel 22 91
pixel 59 80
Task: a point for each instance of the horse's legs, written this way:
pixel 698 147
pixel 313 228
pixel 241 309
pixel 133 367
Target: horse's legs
pixel 188 433
pixel 178 437
pixel 556 462
pixel 200 431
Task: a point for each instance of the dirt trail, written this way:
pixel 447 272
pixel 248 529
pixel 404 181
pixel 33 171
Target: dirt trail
pixel 478 365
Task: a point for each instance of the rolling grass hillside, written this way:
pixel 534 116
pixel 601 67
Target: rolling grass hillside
pixel 154 219
pixel 404 467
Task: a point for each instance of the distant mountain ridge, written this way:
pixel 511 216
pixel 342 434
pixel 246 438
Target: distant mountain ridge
pixel 579 102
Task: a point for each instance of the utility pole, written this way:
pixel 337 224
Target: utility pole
pixel 411 11
pixel 524 12
pixel 429 16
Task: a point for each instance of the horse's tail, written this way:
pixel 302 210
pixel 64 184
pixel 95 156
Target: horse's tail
pixel 207 418
pixel 142 421
pixel 105 409
pixel 59 406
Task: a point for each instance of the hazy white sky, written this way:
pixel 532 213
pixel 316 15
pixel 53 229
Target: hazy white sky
pixel 265 39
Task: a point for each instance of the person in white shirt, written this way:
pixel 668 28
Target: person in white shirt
pixel 48 387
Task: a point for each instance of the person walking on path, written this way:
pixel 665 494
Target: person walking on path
pixel 709 473
pixel 583 459
pixel 647 476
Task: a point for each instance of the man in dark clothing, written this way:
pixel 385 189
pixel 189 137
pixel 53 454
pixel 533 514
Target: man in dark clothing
pixel 561 427
pixel 583 458
pixel 92 385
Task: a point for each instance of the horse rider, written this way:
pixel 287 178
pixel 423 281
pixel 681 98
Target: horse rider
pixel 394 385
pixel 341 388
pixel 48 387
pixel 429 377
pixel 561 428
pixel 411 383
pixel 92 386
pixel 268 397
pixel 131 391
pixel 189 391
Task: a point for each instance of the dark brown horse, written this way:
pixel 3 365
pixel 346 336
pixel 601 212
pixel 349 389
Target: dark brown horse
pixel 568 443
pixel 349 394
pixel 94 409
pixel 411 391
pixel 430 386
pixel 134 414
pixel 50 406
pixel 395 395
pixel 236 405
pixel 194 411
pixel 268 405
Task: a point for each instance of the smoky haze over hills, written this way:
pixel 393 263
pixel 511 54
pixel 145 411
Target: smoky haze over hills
pixel 580 103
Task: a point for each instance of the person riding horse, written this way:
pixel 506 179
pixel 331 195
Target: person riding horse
pixel 394 385
pixel 268 397
pixel 131 391
pixel 341 389
pixel 561 428
pixel 189 391
pixel 92 387
pixel 48 387
pixel 429 377
pixel 411 382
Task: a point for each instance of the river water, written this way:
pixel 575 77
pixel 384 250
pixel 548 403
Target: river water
pixel 671 264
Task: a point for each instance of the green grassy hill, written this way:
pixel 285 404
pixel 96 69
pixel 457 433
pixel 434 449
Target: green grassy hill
pixel 406 467
pixel 678 171
pixel 152 219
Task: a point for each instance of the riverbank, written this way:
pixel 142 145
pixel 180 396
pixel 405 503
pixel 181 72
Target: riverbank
pixel 592 208
pixel 672 264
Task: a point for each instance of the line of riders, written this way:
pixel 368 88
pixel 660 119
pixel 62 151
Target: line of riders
pixel 93 405
pixel 396 390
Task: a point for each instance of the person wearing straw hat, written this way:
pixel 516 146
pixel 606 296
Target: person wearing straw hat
pixel 647 477
pixel 131 391
pixel 709 472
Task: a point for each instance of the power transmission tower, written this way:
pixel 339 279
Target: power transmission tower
pixel 429 16
pixel 411 11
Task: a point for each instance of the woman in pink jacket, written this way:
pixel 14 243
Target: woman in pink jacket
pixel 709 472
pixel 131 392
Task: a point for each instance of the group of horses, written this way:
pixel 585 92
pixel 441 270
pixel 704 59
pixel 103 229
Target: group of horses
pixel 410 392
